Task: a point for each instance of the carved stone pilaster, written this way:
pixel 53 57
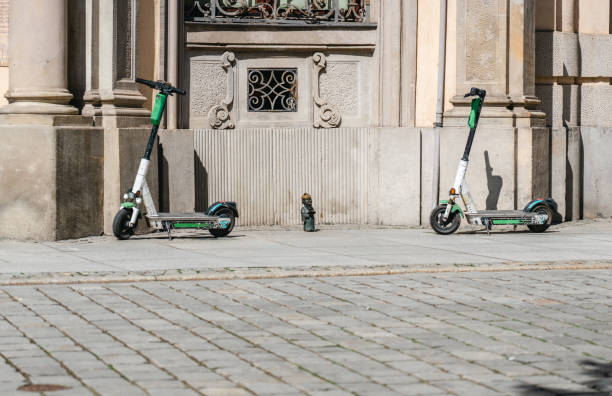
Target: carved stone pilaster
pixel 111 64
pixel 219 115
pixel 326 115
pixel 496 52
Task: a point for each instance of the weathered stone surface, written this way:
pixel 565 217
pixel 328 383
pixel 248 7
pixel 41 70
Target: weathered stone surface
pixel 559 168
pixel 596 105
pixel 177 178
pixel 394 196
pixel 208 80
pixel 574 171
pixel 491 173
pixel 123 150
pixel 597 171
pixel 561 54
pixel 560 103
pixel 340 86
pixel 51 180
pixel 557 54
pixel 79 182
pixel 532 165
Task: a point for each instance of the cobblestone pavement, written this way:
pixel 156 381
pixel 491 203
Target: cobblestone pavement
pixel 516 333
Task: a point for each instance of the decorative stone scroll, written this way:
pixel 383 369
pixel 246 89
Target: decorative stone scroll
pixel 327 115
pixel 219 115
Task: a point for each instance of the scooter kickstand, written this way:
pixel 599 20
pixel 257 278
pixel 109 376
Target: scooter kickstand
pixel 488 226
pixel 169 228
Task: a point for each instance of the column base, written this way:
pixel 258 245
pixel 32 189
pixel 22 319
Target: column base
pixel 38 108
pixel 46 120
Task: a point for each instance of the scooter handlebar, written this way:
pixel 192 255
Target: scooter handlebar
pixel 476 92
pixel 161 86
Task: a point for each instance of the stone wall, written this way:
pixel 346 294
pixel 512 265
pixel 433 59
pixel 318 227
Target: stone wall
pixel 573 80
pixel 355 175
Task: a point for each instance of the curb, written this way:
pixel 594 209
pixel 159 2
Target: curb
pixel 281 273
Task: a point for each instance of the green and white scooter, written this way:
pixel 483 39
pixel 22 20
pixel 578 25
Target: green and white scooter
pixel 220 217
pixel 538 215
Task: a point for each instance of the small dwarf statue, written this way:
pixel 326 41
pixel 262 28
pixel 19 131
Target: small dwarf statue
pixel 308 213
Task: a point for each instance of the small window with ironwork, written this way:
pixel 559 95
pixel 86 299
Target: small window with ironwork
pixel 279 11
pixel 272 90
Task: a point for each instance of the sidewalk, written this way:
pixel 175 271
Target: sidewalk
pixel 483 320
pixel 331 250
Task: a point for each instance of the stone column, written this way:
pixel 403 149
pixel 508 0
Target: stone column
pixel 112 90
pixel 38 59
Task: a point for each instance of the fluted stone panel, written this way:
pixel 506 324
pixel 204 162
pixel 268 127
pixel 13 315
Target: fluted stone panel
pixel 355 175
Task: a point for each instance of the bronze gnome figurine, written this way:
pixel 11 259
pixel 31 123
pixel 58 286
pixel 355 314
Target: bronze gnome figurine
pixel 308 213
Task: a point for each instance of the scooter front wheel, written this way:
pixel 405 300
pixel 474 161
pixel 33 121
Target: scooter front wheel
pixel 121 224
pixel 436 219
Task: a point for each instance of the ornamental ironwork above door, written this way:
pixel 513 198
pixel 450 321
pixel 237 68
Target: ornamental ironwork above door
pixel 272 90
pixel 279 11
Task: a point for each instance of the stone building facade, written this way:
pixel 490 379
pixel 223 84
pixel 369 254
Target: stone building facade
pixel 358 102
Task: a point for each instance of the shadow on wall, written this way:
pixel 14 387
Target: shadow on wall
pixel 201 182
pixel 494 184
pixel 164 180
pixel 600 383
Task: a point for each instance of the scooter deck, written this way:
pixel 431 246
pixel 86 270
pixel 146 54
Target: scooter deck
pixel 503 214
pixel 504 217
pixel 182 217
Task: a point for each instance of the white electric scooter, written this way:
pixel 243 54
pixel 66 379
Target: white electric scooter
pixel 220 217
pixel 538 215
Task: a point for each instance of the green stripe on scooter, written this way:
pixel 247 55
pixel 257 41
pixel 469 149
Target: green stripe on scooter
pixel 511 221
pixel 192 225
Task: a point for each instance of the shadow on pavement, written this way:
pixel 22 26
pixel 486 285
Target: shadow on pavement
pixel 599 385
pixel 193 235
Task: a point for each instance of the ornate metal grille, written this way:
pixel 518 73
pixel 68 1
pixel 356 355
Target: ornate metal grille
pixel 279 11
pixel 272 90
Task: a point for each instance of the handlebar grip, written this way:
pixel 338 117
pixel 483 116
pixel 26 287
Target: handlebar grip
pixel 145 82
pixel 179 91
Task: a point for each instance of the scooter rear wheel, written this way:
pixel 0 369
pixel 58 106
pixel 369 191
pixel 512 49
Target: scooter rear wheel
pixel 541 209
pixel 222 232
pixel 444 227
pixel 121 224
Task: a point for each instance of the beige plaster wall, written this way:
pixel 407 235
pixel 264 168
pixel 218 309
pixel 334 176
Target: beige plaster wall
pixel 147 44
pixel 450 83
pixel 4 84
pixel 427 60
